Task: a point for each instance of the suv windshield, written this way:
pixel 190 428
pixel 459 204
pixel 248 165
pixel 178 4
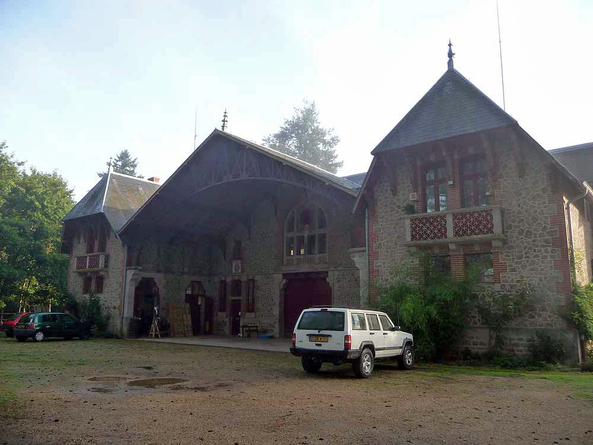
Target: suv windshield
pixel 322 321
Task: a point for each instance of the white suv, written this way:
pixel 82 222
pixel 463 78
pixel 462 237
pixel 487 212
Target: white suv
pixel 356 336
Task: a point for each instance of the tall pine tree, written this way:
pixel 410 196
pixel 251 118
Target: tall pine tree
pixel 302 137
pixel 125 164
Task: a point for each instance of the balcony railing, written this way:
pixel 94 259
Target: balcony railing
pixel 92 261
pixel 455 226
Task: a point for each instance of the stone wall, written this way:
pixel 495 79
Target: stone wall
pixel 582 232
pixel 112 275
pixel 535 250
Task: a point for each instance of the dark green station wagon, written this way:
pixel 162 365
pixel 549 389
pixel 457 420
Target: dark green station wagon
pixel 50 324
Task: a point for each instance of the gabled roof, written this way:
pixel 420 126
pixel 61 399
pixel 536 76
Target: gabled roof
pixel 117 196
pixel 452 107
pixel 320 173
pixel 342 184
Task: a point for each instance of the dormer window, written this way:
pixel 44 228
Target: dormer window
pixel 90 240
pixel 306 232
pixel 474 182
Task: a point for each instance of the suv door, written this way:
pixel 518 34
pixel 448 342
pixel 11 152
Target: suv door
pixel 375 334
pixel 359 331
pixel 390 337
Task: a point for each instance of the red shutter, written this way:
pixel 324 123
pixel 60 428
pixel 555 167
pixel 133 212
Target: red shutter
pixel 251 295
pixel 86 285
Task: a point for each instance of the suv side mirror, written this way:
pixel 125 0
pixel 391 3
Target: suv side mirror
pixel 396 328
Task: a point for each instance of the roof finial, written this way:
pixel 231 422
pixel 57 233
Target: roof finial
pixel 110 165
pixel 450 54
pixel 225 120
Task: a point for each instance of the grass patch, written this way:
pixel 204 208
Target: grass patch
pixel 8 394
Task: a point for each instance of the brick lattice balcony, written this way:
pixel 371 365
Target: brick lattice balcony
pixel 455 226
pixel 92 261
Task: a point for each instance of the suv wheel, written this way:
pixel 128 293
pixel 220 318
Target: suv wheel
pixel 363 366
pixel 406 360
pixel 39 336
pixel 311 364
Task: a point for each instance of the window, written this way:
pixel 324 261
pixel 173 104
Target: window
pixel 99 284
pixel 49 318
pixel 102 240
pixel 385 322
pixel 435 182
pixel 482 264
pixel 236 288
pixel 195 288
pixel 67 318
pixel 90 240
pixel 474 182
pixel 251 295
pixel 374 322
pixel 306 232
pixel 86 285
pixel 322 320
pixel 359 322
pixel 222 296
pixel 440 265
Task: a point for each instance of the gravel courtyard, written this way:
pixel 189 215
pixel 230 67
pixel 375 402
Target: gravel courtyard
pixel 115 392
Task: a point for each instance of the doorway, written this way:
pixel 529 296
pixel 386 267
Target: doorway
pixel 146 297
pixel 301 292
pixel 235 316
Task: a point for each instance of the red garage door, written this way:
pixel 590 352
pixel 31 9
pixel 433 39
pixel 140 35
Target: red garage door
pixel 302 293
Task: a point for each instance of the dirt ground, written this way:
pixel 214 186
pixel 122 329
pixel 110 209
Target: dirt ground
pixel 116 391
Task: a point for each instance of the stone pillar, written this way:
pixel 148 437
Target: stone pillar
pixel 359 256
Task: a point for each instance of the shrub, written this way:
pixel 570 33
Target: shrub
pixel 582 309
pixel 546 349
pixel 89 312
pixel 432 308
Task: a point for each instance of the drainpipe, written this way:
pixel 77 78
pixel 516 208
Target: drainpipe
pixel 573 267
pixel 123 297
pixel 366 235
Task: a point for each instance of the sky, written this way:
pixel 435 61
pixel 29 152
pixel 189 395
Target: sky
pixel 83 80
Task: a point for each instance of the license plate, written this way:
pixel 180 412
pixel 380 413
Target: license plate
pixel 21 326
pixel 318 339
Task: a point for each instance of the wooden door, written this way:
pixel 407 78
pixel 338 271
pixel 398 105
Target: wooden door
pixel 302 294
pixel 235 316
pixel 194 310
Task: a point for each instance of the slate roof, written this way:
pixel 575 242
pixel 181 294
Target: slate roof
pixel 358 178
pixel 117 196
pixel 586 146
pixel 452 107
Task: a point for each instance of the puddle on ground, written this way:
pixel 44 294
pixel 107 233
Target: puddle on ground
pixel 154 383
pixel 148 368
pixel 203 388
pixel 107 379
pixel 102 390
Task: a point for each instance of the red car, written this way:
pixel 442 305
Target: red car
pixel 8 325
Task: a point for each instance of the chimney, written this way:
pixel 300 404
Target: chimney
pixel 154 179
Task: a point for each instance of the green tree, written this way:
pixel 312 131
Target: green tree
pixel 124 164
pixel 32 205
pixel 302 137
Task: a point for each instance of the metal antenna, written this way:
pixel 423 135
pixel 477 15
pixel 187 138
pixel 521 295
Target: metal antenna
pixel 195 127
pixel 225 120
pixel 504 104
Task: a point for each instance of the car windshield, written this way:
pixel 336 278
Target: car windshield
pixel 322 321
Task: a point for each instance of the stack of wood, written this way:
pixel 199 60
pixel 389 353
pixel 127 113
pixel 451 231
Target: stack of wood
pixel 180 320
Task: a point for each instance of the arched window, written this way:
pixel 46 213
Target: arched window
pixel 305 233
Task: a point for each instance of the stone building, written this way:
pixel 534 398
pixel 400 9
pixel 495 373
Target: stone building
pixel 247 235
